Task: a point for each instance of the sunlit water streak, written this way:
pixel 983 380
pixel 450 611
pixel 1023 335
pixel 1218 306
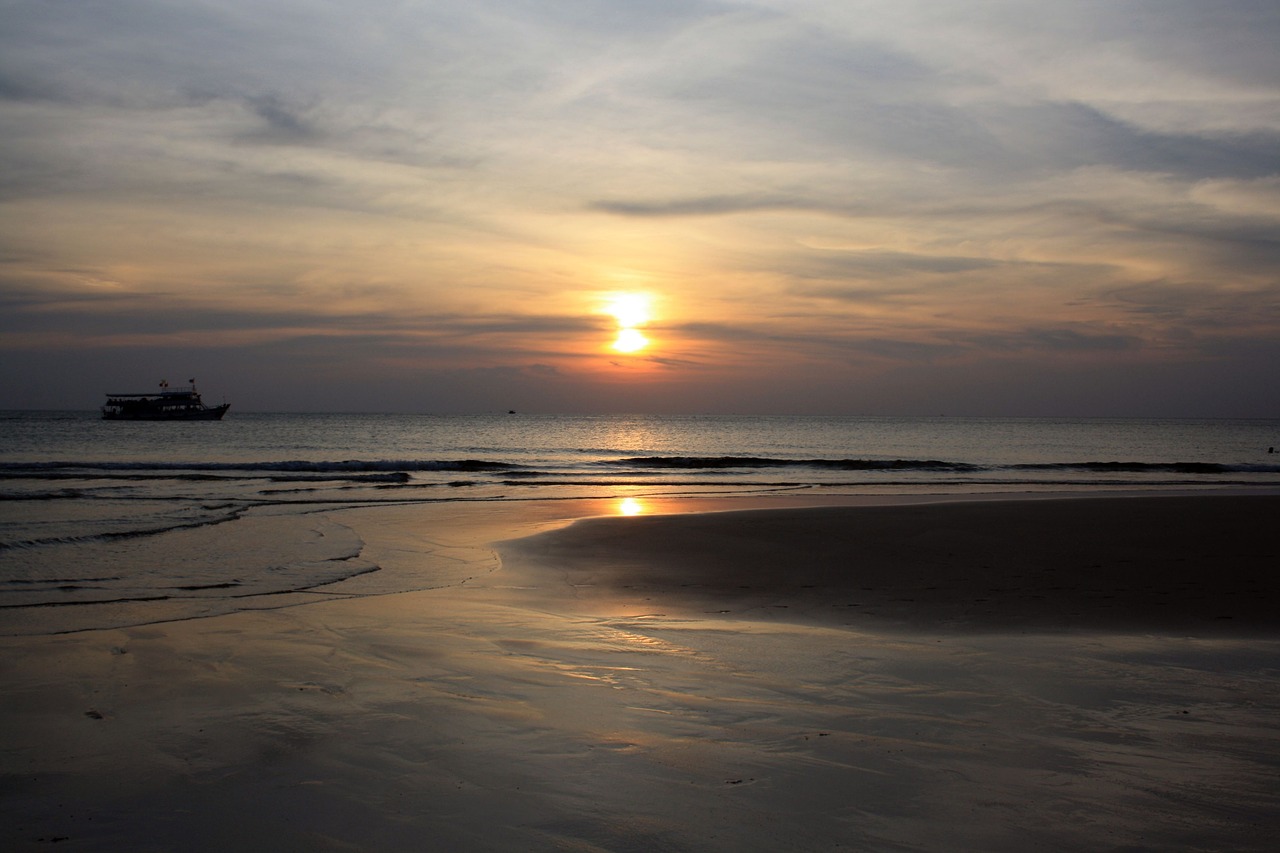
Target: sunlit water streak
pixel 205 517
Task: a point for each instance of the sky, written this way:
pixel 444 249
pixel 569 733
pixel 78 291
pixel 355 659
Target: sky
pixel 866 207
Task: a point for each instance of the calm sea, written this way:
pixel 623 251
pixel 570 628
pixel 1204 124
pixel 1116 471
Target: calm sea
pixel 199 518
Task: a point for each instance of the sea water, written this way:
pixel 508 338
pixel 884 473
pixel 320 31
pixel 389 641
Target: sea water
pixel 107 521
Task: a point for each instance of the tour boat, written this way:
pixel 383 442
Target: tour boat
pixel 166 405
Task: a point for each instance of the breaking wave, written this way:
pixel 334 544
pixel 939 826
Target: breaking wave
pixel 714 462
pixel 360 470
pixel 392 472
pixel 723 462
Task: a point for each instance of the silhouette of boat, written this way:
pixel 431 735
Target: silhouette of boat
pixel 166 405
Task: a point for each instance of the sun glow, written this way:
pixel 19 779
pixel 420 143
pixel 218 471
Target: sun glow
pixel 631 310
pixel 630 506
pixel 630 340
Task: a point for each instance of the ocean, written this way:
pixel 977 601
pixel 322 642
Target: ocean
pixel 101 521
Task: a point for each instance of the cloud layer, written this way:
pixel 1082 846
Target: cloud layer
pixel 1000 207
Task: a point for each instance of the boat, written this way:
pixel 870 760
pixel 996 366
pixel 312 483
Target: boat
pixel 166 405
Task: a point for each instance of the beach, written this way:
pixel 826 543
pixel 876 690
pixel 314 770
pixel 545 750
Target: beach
pixel 1051 674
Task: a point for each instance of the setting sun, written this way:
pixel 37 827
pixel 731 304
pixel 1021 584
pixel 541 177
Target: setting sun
pixel 630 340
pixel 630 309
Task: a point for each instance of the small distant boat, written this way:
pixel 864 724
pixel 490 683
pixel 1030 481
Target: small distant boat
pixel 165 405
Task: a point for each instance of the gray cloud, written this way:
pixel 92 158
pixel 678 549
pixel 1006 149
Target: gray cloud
pixel 1054 339
pixel 284 122
pixel 1198 306
pixel 142 314
pixel 705 206
pixel 1071 135
pixel 898 183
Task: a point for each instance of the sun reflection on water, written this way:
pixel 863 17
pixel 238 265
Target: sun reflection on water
pixel 630 506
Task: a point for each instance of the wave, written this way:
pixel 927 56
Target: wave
pixel 60 494
pixel 722 462
pixel 363 470
pixel 398 472
pixel 1149 467
pixel 708 462
pixel 218 515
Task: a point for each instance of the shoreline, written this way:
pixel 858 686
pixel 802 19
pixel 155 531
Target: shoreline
pixel 485 526
pixel 566 698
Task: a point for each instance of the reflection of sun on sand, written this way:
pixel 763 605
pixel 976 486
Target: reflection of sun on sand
pixel 630 506
pixel 883 678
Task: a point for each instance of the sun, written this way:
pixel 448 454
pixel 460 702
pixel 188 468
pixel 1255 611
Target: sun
pixel 630 340
pixel 630 309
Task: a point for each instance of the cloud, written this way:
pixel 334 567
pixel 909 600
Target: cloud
pixel 285 124
pixel 1051 339
pixel 809 188
pixel 1064 136
pixel 706 206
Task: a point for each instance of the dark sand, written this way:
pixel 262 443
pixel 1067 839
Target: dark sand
pixel 1058 675
pixel 1179 565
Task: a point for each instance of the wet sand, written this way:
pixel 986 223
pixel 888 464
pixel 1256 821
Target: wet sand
pixel 1184 565
pixel 1057 675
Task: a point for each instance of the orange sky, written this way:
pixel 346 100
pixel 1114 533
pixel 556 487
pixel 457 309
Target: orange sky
pixel 871 207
